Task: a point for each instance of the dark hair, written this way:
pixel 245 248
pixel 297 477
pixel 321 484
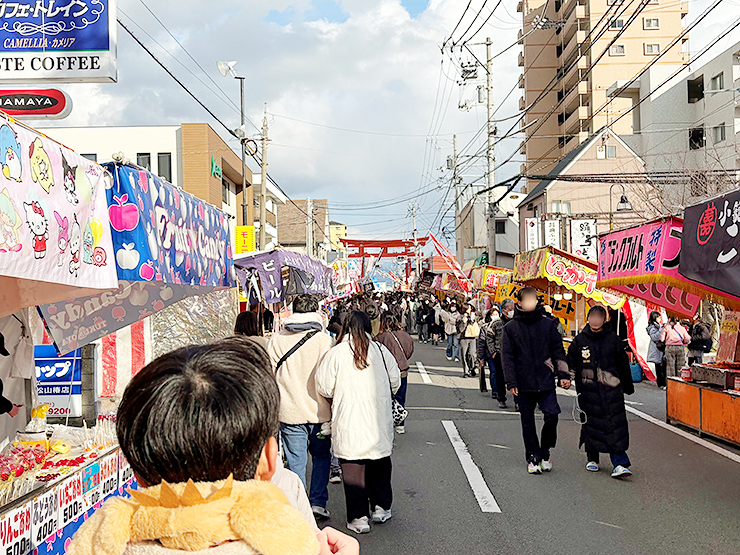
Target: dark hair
pixel 305 303
pixel 506 302
pixel 358 326
pixel 654 317
pixel 247 323
pixel 526 291
pixel 600 309
pixel 388 322
pixel 200 412
pixel 337 321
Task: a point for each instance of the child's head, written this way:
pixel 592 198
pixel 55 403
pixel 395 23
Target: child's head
pixel 202 412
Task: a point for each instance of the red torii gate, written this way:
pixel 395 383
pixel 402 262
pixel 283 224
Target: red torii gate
pixel 380 248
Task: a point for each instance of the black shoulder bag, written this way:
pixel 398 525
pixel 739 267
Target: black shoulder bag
pixel 295 347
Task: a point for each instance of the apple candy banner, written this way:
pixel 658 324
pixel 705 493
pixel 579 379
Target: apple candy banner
pixel 168 245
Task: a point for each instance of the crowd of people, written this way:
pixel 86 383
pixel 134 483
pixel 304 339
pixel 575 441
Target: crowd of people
pixel 675 343
pixel 209 430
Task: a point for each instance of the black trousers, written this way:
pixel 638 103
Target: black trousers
pixel 660 373
pixel 367 483
pixel 535 449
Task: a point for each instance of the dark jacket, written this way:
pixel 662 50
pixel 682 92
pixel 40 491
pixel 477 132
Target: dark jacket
pixel 6 405
pixel 401 346
pixel 700 336
pixel 601 393
pixel 481 344
pixel 532 352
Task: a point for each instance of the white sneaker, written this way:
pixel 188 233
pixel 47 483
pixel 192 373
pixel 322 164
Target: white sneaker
pixel 320 512
pixel 621 472
pixel 449 358
pixel 401 430
pixel 457 360
pixel 592 467
pixel 359 525
pixel 380 515
pixel 546 466
pixel 534 468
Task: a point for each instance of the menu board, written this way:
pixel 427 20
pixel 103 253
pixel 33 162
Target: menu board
pixel 15 531
pixel 44 517
pixel 108 475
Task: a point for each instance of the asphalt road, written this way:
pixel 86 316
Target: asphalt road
pixel 683 498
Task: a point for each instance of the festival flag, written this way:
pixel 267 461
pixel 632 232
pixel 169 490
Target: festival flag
pixel 453 264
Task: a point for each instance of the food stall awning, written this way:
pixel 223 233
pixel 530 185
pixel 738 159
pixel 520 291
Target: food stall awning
pixel 487 278
pixel 308 275
pixel 168 245
pixel 55 241
pixel 548 264
pixel 710 248
pixel 449 283
pixel 642 261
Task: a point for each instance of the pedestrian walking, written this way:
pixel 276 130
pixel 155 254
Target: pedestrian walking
pixel 360 376
pixel 675 337
pixel 468 331
pixel 401 346
pixel 450 318
pixel 421 319
pixel 489 353
pixel 532 354
pixel 701 341
pixel 602 377
pixel 296 352
pixel 656 349
pixel 222 398
pixel 248 324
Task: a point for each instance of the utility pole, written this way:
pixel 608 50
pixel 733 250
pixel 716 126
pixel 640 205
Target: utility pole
pixel 459 253
pixel 244 155
pixel 491 155
pixel 309 227
pixel 413 207
pixel 263 184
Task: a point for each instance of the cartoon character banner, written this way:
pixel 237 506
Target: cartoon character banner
pixel 710 246
pixel 165 234
pixel 55 238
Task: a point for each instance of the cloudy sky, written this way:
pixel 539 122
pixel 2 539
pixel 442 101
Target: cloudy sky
pixel 362 103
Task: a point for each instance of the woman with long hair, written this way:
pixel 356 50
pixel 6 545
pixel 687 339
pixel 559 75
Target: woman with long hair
pixel 401 346
pixel 656 355
pixel 360 376
pixel 247 323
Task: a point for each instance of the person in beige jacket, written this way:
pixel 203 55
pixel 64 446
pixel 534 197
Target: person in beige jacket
pixel 302 409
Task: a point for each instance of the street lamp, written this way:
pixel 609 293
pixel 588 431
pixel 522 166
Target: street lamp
pixel 623 206
pixel 227 68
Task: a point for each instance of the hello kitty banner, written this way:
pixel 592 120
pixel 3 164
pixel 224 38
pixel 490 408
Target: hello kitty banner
pixel 55 239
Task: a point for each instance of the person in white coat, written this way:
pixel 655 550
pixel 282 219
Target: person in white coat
pixel 359 375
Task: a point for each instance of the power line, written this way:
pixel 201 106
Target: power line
pixel 458 23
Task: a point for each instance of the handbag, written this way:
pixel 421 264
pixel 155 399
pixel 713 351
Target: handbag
pixel 400 414
pixel 660 345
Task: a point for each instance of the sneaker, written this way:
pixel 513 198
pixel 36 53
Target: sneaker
pixel 335 477
pixel 400 430
pixel 380 515
pixel 473 374
pixel 457 360
pixel 621 472
pixel 546 465
pixel 592 467
pixel 533 468
pixel 320 512
pixel 484 391
pixel 359 525
pixel 449 358
pixel 502 405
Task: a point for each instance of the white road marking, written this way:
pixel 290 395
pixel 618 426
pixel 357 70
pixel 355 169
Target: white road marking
pixel 691 437
pixel 609 525
pixel 634 403
pixel 424 376
pixel 475 478
pixel 451 409
pixel 498 446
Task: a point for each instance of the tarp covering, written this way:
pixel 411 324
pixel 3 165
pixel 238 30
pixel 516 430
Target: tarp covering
pixel 55 241
pixel 168 245
pixel 710 247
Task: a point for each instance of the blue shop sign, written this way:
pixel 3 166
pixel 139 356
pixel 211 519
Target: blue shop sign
pixel 55 375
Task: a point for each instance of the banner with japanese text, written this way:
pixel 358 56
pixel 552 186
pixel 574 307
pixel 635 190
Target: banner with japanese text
pixel 710 248
pixel 486 278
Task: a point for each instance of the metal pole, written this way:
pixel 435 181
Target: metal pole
pixel 245 216
pixel 491 155
pixel 460 254
pixel 263 184
pixel 309 227
pixel 611 214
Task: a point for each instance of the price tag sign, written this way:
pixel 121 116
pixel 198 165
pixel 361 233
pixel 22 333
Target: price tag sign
pixel 44 517
pixel 108 475
pixel 91 491
pixel 15 531
pixel 125 474
pixel 70 500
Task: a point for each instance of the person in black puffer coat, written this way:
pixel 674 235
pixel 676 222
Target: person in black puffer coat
pixel 602 377
pixel 532 354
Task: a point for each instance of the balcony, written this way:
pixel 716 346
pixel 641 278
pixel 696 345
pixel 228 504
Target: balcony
pixel 520 6
pixel 521 59
pixel 578 13
pixel 522 103
pixel 573 74
pixel 683 7
pixel 521 82
pixel 580 113
pixel 520 37
pixel 579 37
pixel 523 147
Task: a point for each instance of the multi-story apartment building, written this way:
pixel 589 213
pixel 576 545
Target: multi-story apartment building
pixel 570 57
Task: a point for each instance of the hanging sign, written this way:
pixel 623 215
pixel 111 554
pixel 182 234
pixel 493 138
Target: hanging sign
pixel 66 41
pixel 532 226
pixel 245 239
pixel 584 239
pixel 578 278
pixel 552 233
pixel 527 265
pixel 35 103
pixel 55 375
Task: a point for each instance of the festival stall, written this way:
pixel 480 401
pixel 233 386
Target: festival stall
pixel 55 244
pixel 707 398
pixel 486 281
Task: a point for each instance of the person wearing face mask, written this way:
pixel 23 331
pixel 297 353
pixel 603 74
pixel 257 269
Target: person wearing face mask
pixel 602 378
pixel 494 334
pixel 468 330
pixel 532 354
pixel 450 318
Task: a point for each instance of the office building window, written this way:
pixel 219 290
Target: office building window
pixel 616 24
pixel 500 227
pixel 652 49
pixel 696 89
pixel 651 23
pixel 561 206
pixel 611 151
pixel 696 138
pixel 144 159
pixel 92 157
pixel 164 165
pixel 225 192
pixel 717 82
pixel 616 50
pixel 719 133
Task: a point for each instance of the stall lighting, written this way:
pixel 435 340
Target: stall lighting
pixel 567 296
pixel 557 297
